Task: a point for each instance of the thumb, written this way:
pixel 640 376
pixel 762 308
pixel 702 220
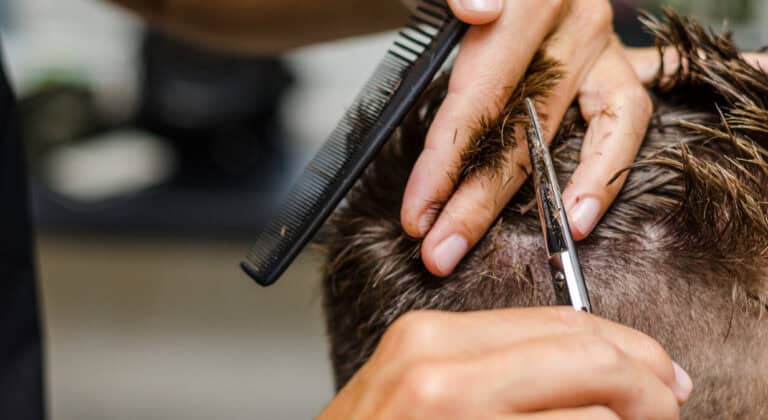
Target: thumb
pixel 477 12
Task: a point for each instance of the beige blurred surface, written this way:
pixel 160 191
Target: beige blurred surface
pixel 148 328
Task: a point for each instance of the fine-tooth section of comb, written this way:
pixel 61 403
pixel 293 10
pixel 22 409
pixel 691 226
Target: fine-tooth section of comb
pixel 417 54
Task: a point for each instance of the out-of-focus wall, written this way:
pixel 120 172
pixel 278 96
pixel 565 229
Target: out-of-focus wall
pixel 161 329
pixel 747 18
pixel 87 41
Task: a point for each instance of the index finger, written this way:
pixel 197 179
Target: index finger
pixel 445 334
pixel 480 83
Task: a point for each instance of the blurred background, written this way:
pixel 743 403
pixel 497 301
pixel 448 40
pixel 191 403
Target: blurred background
pixel 154 162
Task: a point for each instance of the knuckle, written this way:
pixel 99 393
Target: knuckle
pixel 484 211
pixel 474 219
pixel 656 353
pixel 424 386
pixel 606 357
pixel 638 98
pixel 476 90
pixel 574 320
pixel 611 358
pixel 412 332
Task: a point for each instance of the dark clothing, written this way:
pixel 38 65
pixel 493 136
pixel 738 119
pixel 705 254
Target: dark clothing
pixel 21 384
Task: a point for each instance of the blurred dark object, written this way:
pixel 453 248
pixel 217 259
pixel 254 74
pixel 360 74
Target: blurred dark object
pixel 21 352
pixel 218 114
pixel 627 24
pixel 218 111
pixel 56 115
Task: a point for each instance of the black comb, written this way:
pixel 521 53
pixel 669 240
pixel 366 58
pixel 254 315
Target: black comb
pixel 420 50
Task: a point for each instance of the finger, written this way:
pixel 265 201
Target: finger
pixel 646 61
pixel 618 110
pixel 478 201
pixel 758 60
pixel 561 373
pixel 584 413
pixel 430 334
pixel 476 12
pixel 478 87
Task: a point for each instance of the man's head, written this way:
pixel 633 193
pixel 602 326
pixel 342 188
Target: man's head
pixel 681 255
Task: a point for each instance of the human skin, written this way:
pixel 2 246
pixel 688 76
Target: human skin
pixel 552 363
pixel 645 64
pixel 680 256
pixel 452 216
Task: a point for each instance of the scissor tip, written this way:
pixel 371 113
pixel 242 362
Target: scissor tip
pixel 529 103
pixel 535 134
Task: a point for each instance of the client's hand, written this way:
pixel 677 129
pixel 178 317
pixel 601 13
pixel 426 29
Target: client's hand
pixel 545 363
pixel 493 58
pixel 646 62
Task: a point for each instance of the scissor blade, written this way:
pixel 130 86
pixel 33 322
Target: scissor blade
pixel 568 281
pixel 547 189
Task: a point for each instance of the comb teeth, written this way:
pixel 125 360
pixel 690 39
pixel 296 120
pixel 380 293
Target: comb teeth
pixel 379 108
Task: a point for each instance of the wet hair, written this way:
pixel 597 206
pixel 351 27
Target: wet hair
pixel 681 255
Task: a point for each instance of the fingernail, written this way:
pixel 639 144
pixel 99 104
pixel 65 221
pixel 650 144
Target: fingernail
pixel 481 5
pixel 449 253
pixel 683 383
pixel 585 214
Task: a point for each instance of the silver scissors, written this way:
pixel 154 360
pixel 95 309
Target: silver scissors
pixel 568 281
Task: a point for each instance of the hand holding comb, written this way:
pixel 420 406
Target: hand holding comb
pixel 420 50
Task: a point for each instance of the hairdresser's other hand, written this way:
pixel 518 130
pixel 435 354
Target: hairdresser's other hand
pixel 535 363
pixel 451 217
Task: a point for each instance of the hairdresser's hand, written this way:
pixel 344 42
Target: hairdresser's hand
pixel 544 363
pixel 493 58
